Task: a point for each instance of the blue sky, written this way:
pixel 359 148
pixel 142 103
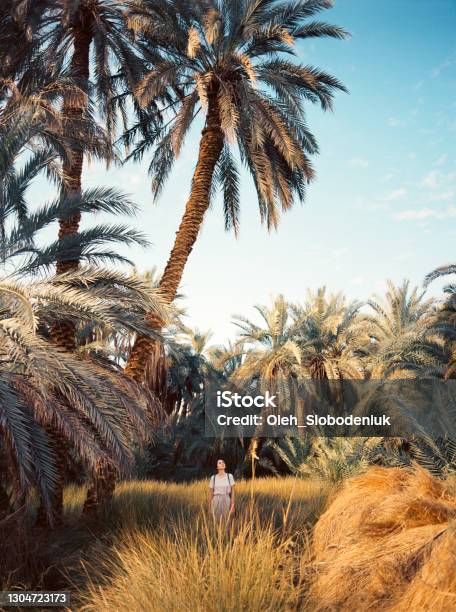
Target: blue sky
pixel 384 201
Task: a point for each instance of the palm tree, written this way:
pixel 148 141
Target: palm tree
pixel 19 225
pixel 444 321
pixel 37 375
pixel 331 459
pixel 187 368
pixel 71 40
pixel 20 25
pixel 226 359
pixel 404 341
pixel 270 350
pixel 53 401
pixel 403 308
pixel 76 32
pixel 226 60
pixel 331 337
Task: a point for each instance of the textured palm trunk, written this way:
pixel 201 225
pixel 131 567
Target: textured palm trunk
pixel 64 333
pixel 61 449
pixel 101 488
pixel 211 145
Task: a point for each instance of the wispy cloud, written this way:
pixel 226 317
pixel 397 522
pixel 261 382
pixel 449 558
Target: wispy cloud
pixel 448 63
pixel 441 160
pixel 395 122
pixel 358 162
pixel 444 196
pixel 424 213
pixel 395 194
pixel 336 253
pixel 435 179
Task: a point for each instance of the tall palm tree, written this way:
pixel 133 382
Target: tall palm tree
pixel 228 61
pixel 20 162
pixel 77 31
pixel 20 29
pixel 86 41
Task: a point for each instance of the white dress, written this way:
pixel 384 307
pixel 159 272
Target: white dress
pixel 221 501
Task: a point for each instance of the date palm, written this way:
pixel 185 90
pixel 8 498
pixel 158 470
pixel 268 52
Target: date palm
pixel 403 308
pixel 20 29
pixel 404 342
pixel 55 400
pixel 270 351
pixel 87 41
pixel 444 321
pixel 78 30
pixel 227 60
pixel 331 336
pixel 21 160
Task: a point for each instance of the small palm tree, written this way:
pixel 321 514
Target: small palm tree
pixel 328 459
pixel 270 351
pixel 403 308
pixel 187 368
pixel 53 401
pixel 228 61
pixel 404 343
pixel 227 359
pixel 331 337
pixel 444 321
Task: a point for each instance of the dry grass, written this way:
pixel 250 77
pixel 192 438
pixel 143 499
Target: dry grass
pixel 199 569
pixel 379 544
pixel 167 554
pixel 387 541
pixel 138 502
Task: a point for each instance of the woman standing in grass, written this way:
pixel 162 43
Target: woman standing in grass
pixel 221 493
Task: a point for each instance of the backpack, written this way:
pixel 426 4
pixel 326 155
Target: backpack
pixel 230 481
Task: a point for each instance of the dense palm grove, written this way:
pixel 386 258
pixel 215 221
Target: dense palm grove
pixel 100 377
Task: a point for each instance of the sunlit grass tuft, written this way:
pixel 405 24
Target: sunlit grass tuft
pixel 197 568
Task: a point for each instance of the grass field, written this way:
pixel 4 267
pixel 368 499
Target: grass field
pixel 386 542
pixel 160 551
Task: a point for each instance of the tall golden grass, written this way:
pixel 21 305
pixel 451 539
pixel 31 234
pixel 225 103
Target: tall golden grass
pixel 388 542
pixel 168 555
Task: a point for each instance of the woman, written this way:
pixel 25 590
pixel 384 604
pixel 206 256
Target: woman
pixel 221 493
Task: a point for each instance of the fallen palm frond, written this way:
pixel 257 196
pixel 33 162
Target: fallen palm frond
pixel 380 541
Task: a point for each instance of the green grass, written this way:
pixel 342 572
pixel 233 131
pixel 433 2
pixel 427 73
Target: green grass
pixel 156 549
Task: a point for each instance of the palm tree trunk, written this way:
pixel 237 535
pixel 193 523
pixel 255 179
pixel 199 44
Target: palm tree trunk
pixel 62 450
pixel 73 113
pixel 211 145
pixel 101 489
pixel 64 333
